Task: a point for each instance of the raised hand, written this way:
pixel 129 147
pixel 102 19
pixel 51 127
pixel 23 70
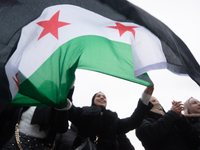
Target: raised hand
pixel 149 90
pixel 177 107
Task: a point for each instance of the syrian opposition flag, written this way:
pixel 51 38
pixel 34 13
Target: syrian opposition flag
pixel 59 37
pixel 54 45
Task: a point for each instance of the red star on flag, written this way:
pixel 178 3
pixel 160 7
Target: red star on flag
pixel 16 80
pixel 51 26
pixel 122 28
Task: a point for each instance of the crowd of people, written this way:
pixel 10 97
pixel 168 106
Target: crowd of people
pixel 170 130
pixel 97 128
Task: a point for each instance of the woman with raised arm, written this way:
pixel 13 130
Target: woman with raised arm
pixel 102 126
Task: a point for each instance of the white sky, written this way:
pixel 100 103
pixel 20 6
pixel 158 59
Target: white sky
pixel 183 17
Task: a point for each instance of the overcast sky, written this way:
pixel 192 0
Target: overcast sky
pixel 183 17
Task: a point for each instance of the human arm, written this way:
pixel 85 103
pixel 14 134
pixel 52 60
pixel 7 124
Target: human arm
pixel 62 115
pixel 146 95
pixel 143 107
pixel 156 127
pixel 187 131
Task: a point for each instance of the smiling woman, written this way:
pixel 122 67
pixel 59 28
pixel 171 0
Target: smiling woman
pixel 102 126
pixel 99 99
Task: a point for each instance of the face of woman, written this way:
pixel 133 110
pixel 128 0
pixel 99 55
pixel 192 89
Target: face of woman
pixel 157 108
pixel 195 104
pixel 153 100
pixel 100 100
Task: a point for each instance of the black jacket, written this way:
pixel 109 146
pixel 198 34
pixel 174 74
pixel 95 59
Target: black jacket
pixel 8 119
pixel 50 119
pixel 94 121
pixel 47 117
pixel 65 140
pixel 195 122
pixel 167 132
pixel 124 142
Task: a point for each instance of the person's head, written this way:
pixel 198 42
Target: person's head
pixel 157 108
pixel 99 99
pixel 192 106
pixel 153 100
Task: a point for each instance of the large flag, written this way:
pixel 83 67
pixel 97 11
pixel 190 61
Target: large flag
pixel 43 42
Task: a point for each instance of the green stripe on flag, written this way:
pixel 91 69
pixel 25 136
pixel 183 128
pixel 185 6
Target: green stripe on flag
pixel 51 82
pixel 109 57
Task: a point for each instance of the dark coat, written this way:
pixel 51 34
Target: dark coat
pixel 52 119
pixel 124 143
pixel 167 132
pixel 65 140
pixel 8 119
pixel 195 122
pixel 94 121
pixel 47 117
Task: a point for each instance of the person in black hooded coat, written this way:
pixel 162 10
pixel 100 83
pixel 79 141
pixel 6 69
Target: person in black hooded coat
pixel 97 121
pixel 65 140
pixel 167 131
